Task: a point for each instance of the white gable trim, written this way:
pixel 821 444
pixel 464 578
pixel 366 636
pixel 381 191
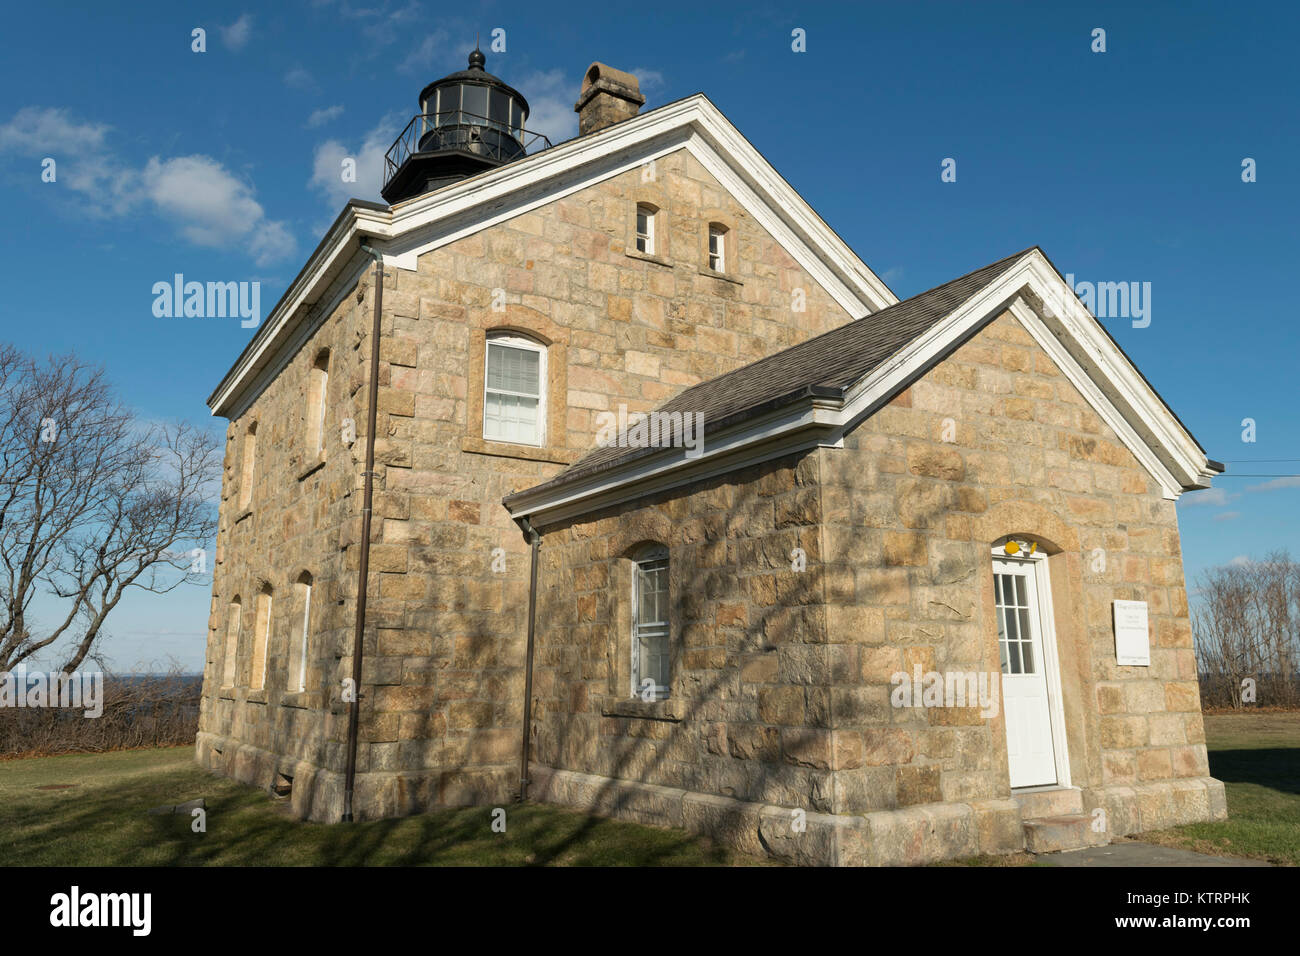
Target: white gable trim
pixel 1176 467
pixel 405 231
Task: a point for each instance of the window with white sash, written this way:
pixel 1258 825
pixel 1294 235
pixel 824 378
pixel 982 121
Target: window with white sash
pixel 650 628
pixel 645 228
pixel 514 396
pixel 298 671
pixel 717 247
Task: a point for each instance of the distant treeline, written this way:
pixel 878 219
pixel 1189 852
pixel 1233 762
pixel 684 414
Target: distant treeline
pixel 149 710
pixel 1246 622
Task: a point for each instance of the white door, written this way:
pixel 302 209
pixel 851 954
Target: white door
pixel 1024 674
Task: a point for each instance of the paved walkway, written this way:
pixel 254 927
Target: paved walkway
pixel 1141 854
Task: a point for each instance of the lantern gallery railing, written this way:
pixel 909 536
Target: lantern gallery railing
pixel 459 130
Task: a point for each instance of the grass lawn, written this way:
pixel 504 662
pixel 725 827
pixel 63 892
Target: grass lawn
pixel 102 821
pixel 1257 756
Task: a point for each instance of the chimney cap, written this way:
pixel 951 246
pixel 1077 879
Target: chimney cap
pixel 602 78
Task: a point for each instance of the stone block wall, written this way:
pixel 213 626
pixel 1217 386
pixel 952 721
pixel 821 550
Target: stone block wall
pixel 748 715
pixel 996 441
pixel 442 688
pixel 782 680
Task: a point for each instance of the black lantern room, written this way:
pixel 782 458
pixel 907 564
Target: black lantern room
pixel 468 122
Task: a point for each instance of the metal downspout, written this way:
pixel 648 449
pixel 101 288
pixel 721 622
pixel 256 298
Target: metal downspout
pixel 536 540
pixel 354 707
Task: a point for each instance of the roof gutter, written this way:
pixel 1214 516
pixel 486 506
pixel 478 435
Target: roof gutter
pixel 363 572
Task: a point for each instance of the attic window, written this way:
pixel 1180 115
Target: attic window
pixel 645 228
pixel 717 247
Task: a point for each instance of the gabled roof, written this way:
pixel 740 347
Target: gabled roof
pixel 814 392
pixel 403 232
pixel 825 365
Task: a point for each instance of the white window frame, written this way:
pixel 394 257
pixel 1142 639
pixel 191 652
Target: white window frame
pixel 655 555
pixel 648 237
pixel 266 640
pixel 318 389
pixel 518 342
pixel 248 467
pixel 230 662
pixel 1051 660
pixel 718 258
pixel 300 679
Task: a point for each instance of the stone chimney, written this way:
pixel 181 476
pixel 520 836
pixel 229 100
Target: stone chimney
pixel 608 96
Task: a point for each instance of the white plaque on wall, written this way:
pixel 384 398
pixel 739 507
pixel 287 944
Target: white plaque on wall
pixel 1132 639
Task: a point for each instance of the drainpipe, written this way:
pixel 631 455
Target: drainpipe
pixel 536 540
pixel 354 708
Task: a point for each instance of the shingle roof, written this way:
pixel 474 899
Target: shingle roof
pixel 828 364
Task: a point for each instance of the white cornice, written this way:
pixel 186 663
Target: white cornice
pixel 405 231
pixel 1108 381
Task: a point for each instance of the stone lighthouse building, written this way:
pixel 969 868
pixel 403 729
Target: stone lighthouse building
pixel 677 513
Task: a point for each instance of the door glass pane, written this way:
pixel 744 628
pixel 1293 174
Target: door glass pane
pixel 1026 638
pixel 1013 653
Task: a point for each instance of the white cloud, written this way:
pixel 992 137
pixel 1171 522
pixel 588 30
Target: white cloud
pixel 34 130
pixel 1240 560
pixel 550 96
pixel 1291 481
pixel 236 35
pixel 649 80
pixel 327 164
pixel 433 55
pixel 1208 496
pixel 300 79
pixel 1228 516
pixel 324 115
pixel 387 26
pixel 213 208
pixel 82 161
pixel 209 205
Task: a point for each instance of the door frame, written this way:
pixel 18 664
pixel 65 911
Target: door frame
pixel 1051 662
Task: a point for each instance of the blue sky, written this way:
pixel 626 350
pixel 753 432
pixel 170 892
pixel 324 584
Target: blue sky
pixel 1124 166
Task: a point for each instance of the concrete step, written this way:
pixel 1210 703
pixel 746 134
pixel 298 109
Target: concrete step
pixel 1070 832
pixel 1057 802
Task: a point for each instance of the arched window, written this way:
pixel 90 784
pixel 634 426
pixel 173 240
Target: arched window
pixel 514 395
pixel 261 636
pixel 248 466
pixel 298 655
pixel 318 391
pixel 645 228
pixel 232 643
pixel 717 247
pixel 650 626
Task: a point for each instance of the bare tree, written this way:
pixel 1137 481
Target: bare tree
pixel 92 502
pixel 1247 624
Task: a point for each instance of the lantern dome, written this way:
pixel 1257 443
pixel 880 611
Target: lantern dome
pixel 469 121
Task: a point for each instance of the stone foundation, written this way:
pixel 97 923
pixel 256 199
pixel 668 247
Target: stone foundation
pixel 911 836
pixel 317 793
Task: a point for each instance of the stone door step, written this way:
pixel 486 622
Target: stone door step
pixel 1070 832
pixel 1057 802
